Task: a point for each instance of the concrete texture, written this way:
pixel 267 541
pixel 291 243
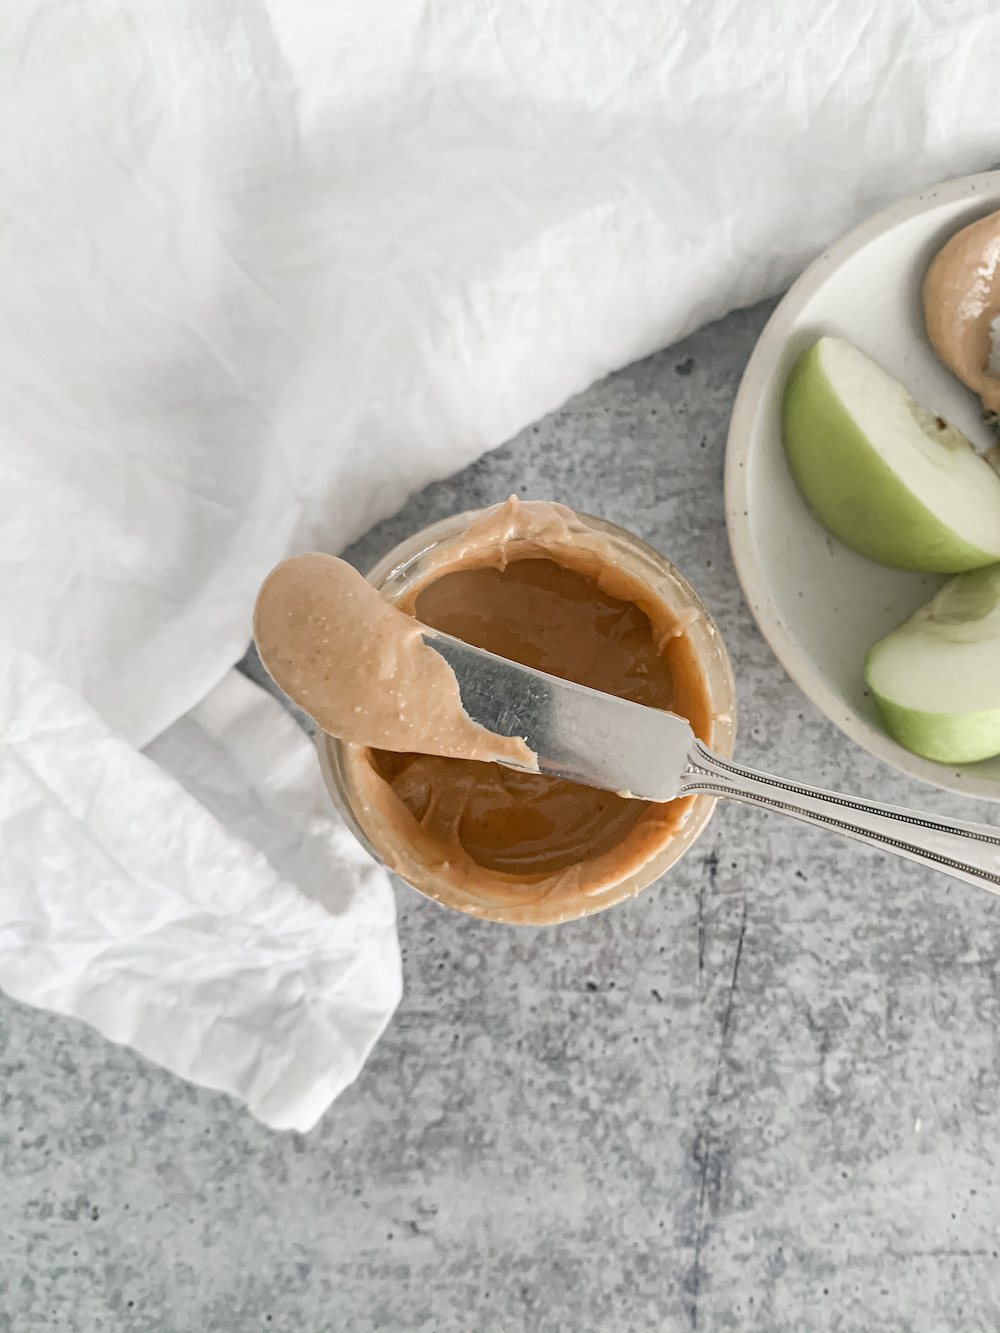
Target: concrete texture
pixel 763 1095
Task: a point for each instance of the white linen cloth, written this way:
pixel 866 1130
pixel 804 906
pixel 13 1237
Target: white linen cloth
pixel 268 266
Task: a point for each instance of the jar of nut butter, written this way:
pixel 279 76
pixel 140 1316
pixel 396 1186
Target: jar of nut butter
pixel 579 598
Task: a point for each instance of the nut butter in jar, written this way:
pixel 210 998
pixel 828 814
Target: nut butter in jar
pixel 579 598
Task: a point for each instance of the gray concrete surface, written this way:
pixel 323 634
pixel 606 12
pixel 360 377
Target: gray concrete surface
pixel 764 1095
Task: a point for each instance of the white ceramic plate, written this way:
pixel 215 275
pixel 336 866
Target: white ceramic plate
pixel 819 605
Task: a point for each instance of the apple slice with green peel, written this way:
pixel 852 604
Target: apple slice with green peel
pixel 937 677
pixel 890 480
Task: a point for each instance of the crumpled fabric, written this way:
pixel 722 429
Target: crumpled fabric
pixel 269 265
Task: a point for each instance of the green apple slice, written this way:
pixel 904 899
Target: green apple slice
pixel 890 480
pixel 937 677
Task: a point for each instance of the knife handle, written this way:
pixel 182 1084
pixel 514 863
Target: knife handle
pixel 970 852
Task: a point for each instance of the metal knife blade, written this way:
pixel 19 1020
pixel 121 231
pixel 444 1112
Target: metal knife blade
pixel 577 733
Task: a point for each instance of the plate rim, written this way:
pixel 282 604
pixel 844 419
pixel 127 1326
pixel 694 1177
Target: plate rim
pixel 755 379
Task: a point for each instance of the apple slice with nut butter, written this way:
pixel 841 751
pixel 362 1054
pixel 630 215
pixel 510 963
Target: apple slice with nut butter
pixel 962 309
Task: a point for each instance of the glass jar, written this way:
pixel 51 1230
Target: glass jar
pixel 416 561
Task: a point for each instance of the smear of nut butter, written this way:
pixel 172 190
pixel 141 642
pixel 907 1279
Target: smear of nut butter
pixel 361 669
